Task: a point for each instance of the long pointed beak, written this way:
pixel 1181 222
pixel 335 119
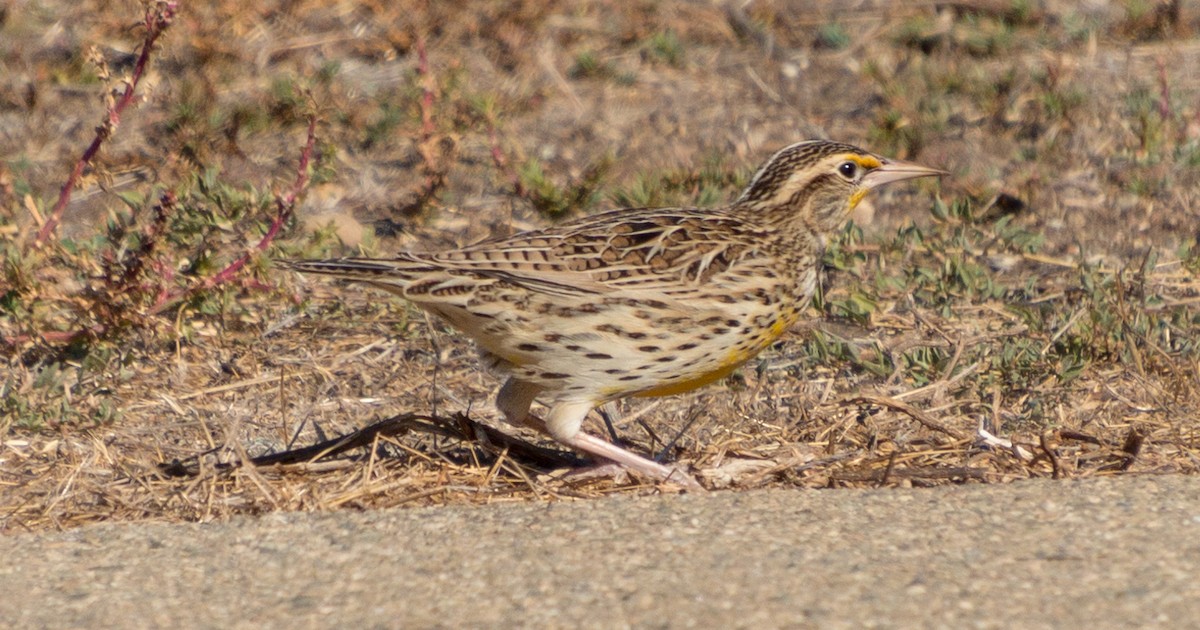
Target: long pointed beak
pixel 896 170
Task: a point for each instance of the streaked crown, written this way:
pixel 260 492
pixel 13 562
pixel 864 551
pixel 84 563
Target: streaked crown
pixel 818 182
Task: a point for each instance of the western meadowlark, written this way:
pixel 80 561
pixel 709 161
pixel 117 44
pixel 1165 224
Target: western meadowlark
pixel 638 302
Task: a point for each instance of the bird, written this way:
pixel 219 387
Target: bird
pixel 638 302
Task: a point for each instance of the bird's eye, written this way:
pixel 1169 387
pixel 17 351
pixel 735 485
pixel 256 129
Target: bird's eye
pixel 848 170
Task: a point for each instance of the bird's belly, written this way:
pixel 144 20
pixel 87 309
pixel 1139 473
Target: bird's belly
pixel 741 352
pixel 619 350
pixel 670 388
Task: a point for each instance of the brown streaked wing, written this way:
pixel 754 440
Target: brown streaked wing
pixel 622 250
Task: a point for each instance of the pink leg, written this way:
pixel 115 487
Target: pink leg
pixel 564 423
pixel 652 469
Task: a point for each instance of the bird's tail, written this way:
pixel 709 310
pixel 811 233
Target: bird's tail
pixel 396 271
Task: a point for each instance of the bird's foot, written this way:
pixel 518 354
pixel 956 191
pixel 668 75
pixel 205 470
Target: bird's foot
pixel 632 461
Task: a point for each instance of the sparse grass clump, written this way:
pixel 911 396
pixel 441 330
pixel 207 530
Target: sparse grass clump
pixel 712 185
pixel 666 47
pixel 833 36
pixel 1027 325
pixel 555 200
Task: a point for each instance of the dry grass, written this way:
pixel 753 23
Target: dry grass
pixel 1039 318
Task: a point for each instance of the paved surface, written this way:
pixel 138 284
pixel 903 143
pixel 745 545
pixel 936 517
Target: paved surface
pixel 1097 554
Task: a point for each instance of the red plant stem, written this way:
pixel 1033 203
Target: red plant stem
pixel 427 127
pixel 501 161
pixel 158 18
pixel 1164 86
pixel 150 237
pixel 432 160
pixel 286 205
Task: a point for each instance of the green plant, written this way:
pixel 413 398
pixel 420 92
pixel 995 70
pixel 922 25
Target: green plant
pixel 832 36
pixel 554 200
pixel 665 46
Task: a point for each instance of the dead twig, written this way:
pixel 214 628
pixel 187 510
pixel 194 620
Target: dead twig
pixel 1131 448
pixel 916 414
pixel 1056 466
pixel 458 426
pixel 887 472
pixel 910 474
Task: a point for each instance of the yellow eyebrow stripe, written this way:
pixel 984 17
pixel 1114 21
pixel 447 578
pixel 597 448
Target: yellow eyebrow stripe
pixel 865 161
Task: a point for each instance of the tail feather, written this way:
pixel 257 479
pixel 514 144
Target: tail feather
pixel 427 285
pixel 365 269
pixel 412 279
pixel 415 276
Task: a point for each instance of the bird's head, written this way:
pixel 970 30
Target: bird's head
pixel 819 182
